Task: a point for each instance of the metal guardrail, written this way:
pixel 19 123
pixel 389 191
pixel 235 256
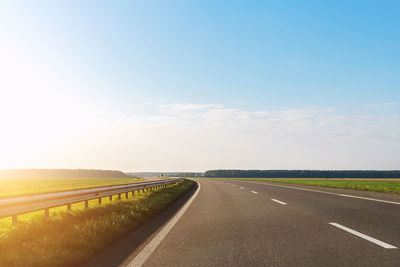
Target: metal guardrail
pixel 12 207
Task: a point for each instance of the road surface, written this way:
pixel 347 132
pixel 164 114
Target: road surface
pixel 253 223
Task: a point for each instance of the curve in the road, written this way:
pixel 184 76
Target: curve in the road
pixel 142 257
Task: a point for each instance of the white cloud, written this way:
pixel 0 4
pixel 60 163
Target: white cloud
pixel 327 121
pixel 177 108
pixel 198 137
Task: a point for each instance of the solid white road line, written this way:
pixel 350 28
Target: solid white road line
pixel 277 201
pixel 254 192
pixel 373 199
pixel 241 187
pixel 370 239
pixel 331 193
pixel 142 257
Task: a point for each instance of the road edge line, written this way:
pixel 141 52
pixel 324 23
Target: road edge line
pixel 332 193
pixel 146 252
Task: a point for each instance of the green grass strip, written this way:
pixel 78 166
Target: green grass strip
pixel 72 238
pixel 376 186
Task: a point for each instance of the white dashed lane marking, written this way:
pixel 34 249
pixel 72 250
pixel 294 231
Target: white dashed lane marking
pixel 278 201
pixel 370 239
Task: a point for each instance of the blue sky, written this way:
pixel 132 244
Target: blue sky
pixel 304 73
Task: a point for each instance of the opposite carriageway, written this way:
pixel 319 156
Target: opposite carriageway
pixel 12 207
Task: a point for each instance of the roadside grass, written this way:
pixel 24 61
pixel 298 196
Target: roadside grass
pixel 21 186
pixel 6 223
pixel 376 186
pixel 71 238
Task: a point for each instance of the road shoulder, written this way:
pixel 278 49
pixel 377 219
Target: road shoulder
pixel 125 249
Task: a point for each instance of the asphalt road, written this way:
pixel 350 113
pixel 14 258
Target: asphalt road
pixel 249 223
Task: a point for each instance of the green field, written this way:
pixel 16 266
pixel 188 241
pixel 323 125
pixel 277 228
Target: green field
pixel 18 186
pixel 70 238
pixel 385 186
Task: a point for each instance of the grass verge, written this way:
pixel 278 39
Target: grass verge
pixel 69 239
pixel 376 186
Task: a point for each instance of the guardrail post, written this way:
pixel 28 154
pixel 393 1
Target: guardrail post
pixel 111 198
pixel 86 204
pixel 119 196
pixel 99 201
pixel 126 195
pixel 14 220
pixel 68 207
pixel 46 212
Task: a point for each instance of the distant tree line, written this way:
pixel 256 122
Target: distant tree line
pixel 190 174
pixel 303 173
pixel 61 173
pixel 153 174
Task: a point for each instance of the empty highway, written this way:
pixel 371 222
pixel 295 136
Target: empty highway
pixel 254 223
